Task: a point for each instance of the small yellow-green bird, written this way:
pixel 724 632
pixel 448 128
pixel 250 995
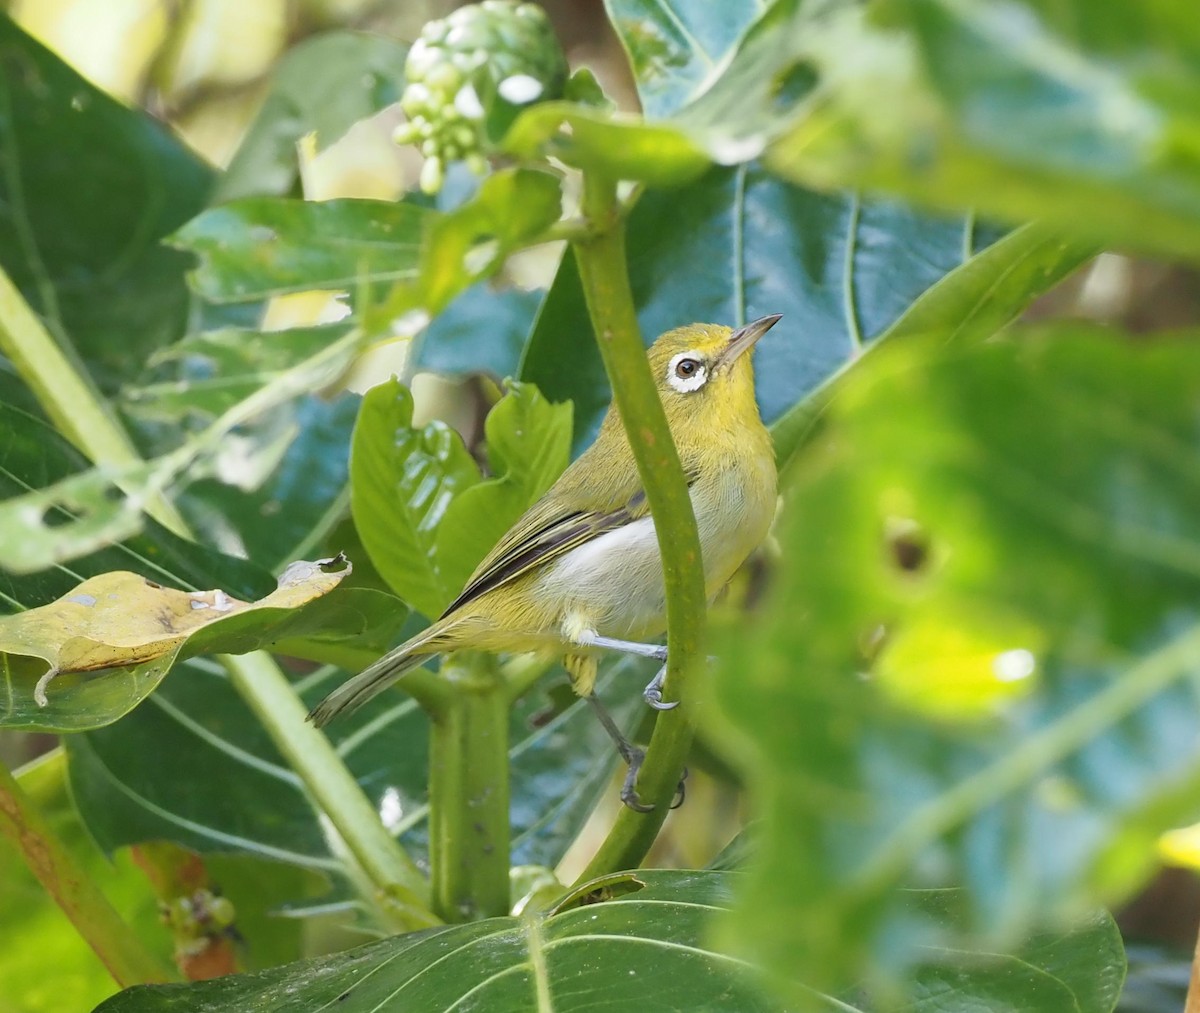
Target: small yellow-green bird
pixel 580 570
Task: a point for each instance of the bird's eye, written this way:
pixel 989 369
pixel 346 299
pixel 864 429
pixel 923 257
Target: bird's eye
pixel 687 372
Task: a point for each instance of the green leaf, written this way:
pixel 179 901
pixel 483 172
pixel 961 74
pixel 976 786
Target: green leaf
pixel 1002 536
pixel 203 375
pixel 402 480
pixel 280 481
pixel 970 303
pixel 510 210
pixel 324 85
pixel 80 513
pixel 674 47
pixel 644 948
pixel 219 784
pixel 617 145
pixel 258 247
pixel 32 454
pixel 738 244
pixel 1024 110
pixel 425 517
pixel 89 189
pixel 528 447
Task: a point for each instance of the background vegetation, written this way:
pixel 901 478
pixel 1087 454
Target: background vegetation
pixel 956 700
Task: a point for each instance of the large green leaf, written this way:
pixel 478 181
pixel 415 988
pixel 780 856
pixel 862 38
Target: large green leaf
pixel 279 484
pixel 640 940
pixel 324 85
pixel 1002 537
pixel 738 244
pixel 219 784
pixel 528 447
pixel 481 331
pixel 33 455
pixel 425 516
pixel 645 948
pixel 257 247
pixel 1029 109
pixel 402 480
pixel 88 188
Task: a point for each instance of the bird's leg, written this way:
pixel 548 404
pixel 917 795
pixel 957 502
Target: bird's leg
pixel 632 755
pixel 653 691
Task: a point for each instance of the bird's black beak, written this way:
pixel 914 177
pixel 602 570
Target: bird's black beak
pixel 745 338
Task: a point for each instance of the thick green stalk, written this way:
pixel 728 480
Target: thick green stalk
pixel 468 792
pixel 73 404
pixel 101 927
pixel 605 277
pixel 401 889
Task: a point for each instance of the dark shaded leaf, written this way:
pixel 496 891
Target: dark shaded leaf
pixel 88 188
pixel 736 245
pixel 481 331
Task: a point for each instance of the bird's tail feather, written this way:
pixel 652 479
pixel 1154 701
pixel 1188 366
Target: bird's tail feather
pixel 355 692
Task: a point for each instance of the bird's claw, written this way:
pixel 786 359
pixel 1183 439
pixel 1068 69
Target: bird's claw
pixel 629 793
pixel 653 691
pixel 653 696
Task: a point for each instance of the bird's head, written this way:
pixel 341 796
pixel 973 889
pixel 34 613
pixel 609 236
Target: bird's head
pixel 704 376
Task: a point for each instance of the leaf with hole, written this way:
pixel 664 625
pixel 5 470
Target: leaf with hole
pixel 1013 516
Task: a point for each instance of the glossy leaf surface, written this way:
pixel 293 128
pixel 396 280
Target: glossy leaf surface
pixel 645 946
pixel 738 244
pixel 425 516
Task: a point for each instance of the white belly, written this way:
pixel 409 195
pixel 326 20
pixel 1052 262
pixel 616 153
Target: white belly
pixel 613 584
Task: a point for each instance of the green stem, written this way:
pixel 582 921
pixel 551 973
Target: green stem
pixel 468 793
pixel 401 889
pixel 113 941
pixel 605 277
pixel 75 406
pixel 68 398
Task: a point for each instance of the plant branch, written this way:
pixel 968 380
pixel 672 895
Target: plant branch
pixel 401 889
pixel 68 398
pixel 113 941
pixel 605 276
pixel 75 406
pixel 469 791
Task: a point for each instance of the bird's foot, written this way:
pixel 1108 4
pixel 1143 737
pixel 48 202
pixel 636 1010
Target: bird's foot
pixel 634 757
pixel 653 691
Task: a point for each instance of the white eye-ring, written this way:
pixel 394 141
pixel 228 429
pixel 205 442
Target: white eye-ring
pixel 687 372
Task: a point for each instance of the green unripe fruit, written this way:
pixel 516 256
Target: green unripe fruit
pixel 470 74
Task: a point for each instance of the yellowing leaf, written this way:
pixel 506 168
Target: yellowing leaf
pixel 133 630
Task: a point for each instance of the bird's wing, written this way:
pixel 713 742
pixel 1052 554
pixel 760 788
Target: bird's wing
pixel 546 531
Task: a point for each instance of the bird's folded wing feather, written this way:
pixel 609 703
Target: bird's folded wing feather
pixel 549 529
